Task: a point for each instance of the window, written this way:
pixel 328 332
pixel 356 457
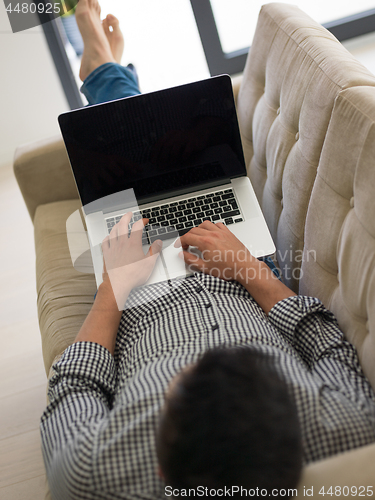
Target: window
pixel 209 37
pixel 227 27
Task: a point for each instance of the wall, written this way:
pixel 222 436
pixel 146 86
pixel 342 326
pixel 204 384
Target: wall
pixel 31 95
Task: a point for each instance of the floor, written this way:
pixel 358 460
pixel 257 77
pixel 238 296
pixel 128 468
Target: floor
pixel 22 375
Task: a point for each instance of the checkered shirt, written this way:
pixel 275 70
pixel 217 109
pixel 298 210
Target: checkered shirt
pixel 98 432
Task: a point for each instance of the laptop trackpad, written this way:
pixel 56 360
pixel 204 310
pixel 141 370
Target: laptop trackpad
pixel 174 265
pixel 158 273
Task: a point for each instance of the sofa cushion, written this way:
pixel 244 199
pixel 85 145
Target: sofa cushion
pixel 339 256
pixel 293 74
pixel 65 295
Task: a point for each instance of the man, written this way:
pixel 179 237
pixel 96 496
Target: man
pixel 223 380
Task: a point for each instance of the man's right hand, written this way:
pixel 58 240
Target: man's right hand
pixel 224 256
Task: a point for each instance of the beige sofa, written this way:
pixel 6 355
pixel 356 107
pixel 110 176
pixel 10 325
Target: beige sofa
pixel 307 115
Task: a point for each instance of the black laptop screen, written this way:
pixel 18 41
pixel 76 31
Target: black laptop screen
pixel 159 144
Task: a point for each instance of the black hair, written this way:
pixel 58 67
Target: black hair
pixel 230 421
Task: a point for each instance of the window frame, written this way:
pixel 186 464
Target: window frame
pixel 55 43
pixel 232 63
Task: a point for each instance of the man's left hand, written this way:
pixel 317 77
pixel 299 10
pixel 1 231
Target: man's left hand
pixel 125 264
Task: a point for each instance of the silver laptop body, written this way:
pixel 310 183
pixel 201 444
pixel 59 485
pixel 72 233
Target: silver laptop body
pixel 174 156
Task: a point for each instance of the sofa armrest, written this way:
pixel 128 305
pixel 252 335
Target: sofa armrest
pixel 43 173
pixel 353 468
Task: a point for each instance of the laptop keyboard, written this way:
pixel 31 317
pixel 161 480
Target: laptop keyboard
pixel 170 220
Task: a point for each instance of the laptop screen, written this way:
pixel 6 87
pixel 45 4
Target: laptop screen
pixel 160 144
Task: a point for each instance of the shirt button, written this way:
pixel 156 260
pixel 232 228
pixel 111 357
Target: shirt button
pixel 207 306
pixel 215 327
pixel 198 289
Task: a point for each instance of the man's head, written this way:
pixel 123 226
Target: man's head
pixel 229 421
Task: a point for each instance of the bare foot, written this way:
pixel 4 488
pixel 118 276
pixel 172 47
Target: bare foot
pixel 114 35
pixel 97 50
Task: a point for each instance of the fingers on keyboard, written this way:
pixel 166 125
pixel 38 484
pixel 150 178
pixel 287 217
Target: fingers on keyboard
pixel 172 219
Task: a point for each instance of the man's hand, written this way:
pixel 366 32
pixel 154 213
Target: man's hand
pixel 125 264
pixel 223 255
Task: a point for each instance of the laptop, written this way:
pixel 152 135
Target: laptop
pixel 174 156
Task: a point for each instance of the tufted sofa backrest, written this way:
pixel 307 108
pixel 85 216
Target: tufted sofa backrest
pixel 306 109
pixel 294 72
pixel 340 223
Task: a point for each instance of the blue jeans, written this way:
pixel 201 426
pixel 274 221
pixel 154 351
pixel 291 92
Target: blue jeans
pixel 270 263
pixel 109 82
pixel 112 81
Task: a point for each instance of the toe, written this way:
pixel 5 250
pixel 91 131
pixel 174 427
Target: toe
pixel 95 6
pixel 113 21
